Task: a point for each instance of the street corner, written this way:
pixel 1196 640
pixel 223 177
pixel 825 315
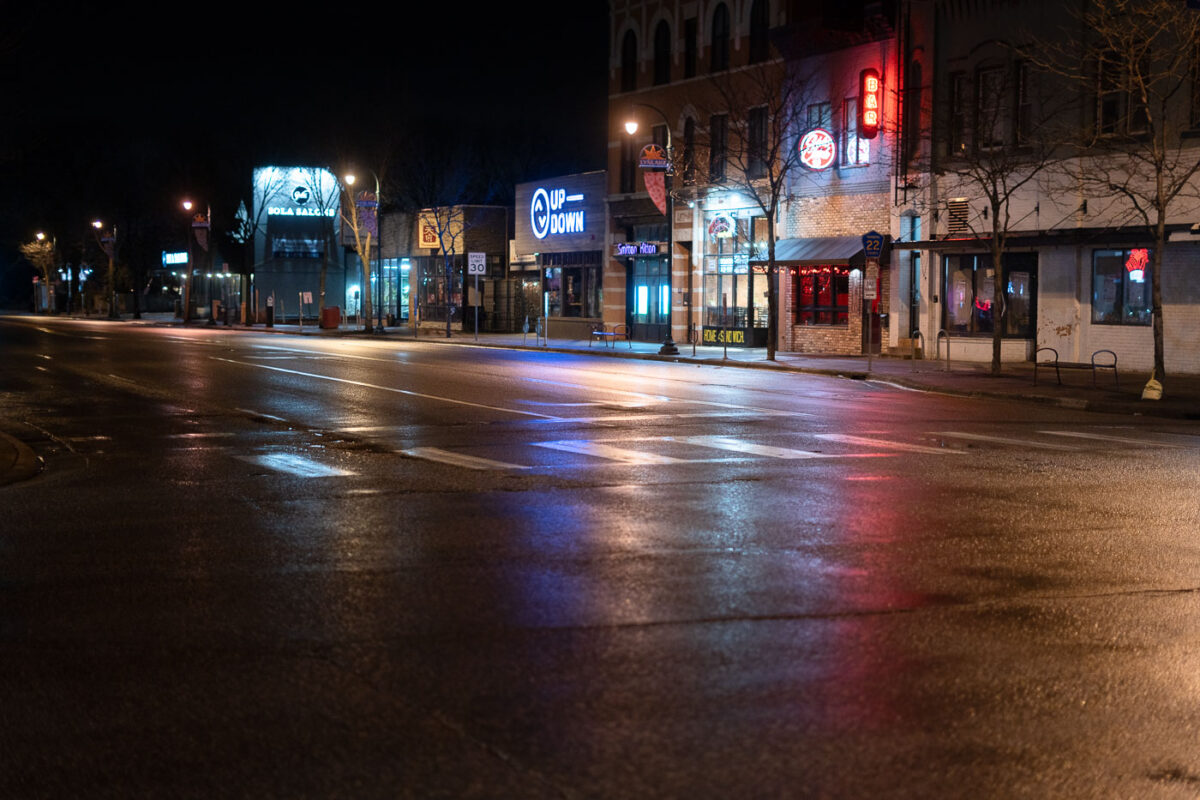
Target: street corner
pixel 17 461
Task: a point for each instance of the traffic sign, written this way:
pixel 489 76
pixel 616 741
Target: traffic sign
pixel 871 279
pixel 476 263
pixel 872 244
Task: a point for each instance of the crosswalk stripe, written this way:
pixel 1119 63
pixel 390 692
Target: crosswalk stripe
pixel 296 465
pixel 886 444
pixel 457 459
pixel 979 437
pixel 599 450
pixel 1105 438
pixel 750 448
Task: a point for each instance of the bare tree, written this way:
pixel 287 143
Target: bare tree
pixel 324 198
pixel 1138 60
pixel 753 116
pixel 997 148
pixel 270 184
pixel 41 253
pixel 360 211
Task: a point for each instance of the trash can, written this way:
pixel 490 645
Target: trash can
pixel 331 317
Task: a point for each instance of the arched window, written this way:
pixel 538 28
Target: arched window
pixel 758 31
pixel 689 150
pixel 719 50
pixel 662 53
pixel 629 62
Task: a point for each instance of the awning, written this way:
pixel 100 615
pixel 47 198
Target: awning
pixel 819 250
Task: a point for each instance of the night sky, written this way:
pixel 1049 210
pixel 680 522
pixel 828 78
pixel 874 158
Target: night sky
pixel 120 110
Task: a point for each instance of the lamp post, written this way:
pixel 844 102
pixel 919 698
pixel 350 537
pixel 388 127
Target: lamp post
pixel 378 252
pixel 187 277
pixel 631 127
pixel 108 244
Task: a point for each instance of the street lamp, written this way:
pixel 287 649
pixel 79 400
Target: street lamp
pixel 108 244
pixel 631 127
pixel 187 276
pixel 350 178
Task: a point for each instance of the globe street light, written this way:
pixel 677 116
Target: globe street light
pixel 631 127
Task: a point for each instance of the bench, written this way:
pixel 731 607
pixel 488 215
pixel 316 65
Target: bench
pixel 1104 355
pixel 607 335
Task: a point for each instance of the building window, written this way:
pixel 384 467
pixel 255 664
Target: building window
pixel 959 89
pixel 1121 287
pixel 690 41
pixel 718 132
pixel 856 152
pixel 912 111
pixel 822 295
pixel 662 53
pixel 573 284
pixel 820 115
pixel 629 62
pixel 969 288
pixel 756 151
pixel 628 165
pixel 689 150
pixel 992 109
pixel 759 21
pixel 719 52
pixel 735 296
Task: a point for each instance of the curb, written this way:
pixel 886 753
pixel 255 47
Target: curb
pixel 24 463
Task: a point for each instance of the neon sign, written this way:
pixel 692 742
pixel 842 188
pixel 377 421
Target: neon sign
pixel 548 217
pixel 870 99
pixel 817 149
pixel 1136 264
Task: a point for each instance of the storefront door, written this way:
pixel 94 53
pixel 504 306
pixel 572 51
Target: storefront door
pixel 648 300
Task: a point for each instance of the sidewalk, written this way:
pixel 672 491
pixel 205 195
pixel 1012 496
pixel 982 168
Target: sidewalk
pixel 1181 398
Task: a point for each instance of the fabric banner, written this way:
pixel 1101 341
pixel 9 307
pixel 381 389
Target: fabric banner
pixel 656 185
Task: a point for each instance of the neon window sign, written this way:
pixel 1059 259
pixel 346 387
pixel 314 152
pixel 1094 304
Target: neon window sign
pixel 817 149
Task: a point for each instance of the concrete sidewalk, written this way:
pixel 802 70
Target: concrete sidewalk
pixel 1119 394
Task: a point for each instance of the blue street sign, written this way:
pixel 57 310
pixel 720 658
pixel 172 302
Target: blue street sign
pixel 872 244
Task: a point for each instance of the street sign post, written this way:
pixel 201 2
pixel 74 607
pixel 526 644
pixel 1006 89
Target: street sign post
pixel 476 265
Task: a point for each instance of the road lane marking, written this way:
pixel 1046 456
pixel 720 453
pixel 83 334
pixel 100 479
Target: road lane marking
pixel 387 389
pixel 296 465
pixel 260 414
pixel 651 417
pixel 979 437
pixel 741 446
pixel 664 399
pixel 457 459
pixel 588 448
pixel 1105 438
pixel 886 444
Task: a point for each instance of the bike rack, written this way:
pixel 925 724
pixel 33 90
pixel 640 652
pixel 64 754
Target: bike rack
pixel 921 336
pixel 938 349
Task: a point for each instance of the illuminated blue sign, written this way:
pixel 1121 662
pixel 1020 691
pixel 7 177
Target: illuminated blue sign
pixel 549 216
pixel 174 258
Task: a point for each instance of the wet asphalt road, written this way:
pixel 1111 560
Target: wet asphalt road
pixel 260 566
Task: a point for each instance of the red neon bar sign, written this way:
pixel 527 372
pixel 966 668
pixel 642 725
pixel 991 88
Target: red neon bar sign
pixel 870 103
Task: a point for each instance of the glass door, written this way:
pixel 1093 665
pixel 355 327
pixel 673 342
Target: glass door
pixel 648 304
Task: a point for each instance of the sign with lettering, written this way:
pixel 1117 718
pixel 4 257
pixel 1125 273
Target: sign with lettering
pixel 817 149
pixel 550 214
pixel 653 157
pixel 635 249
pixel 718 336
pixel 870 103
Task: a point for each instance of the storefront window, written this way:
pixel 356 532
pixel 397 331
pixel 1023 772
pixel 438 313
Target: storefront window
pixel 573 284
pixel 822 295
pixel 969 288
pixel 1121 287
pixel 734 295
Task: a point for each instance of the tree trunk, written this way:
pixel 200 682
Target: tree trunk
pixel 999 291
pixel 1156 321
pixel 449 293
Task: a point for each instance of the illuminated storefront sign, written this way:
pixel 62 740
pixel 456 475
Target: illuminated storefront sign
pixel 296 191
pixel 170 259
pixel 713 335
pixel 870 97
pixel 1136 265
pixel 548 215
pixel 817 149
pixel 636 249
